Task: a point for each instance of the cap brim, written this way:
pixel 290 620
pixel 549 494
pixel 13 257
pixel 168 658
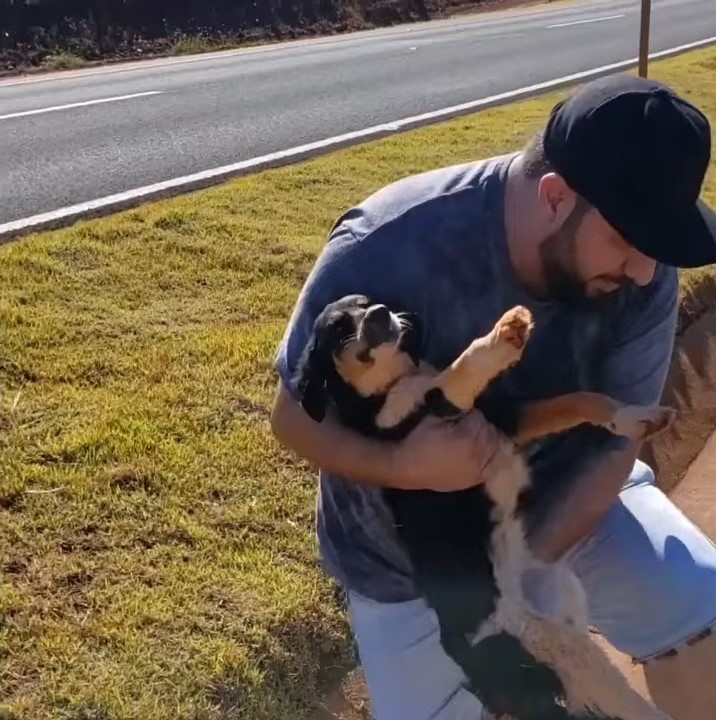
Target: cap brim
pixel 686 240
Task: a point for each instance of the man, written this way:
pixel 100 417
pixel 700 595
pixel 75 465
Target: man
pixel 586 227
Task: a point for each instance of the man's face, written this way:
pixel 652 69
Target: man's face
pixel 585 259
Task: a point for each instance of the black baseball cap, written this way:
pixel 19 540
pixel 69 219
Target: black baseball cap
pixel 638 153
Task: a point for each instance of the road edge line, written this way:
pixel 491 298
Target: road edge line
pixel 63 217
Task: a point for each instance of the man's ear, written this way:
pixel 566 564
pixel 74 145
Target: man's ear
pixel 312 373
pixel 556 197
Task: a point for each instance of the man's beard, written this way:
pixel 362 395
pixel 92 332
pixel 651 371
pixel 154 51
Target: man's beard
pixel 558 266
pixel 562 282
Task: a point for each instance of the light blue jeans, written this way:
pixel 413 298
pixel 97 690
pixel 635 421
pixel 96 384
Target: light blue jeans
pixel 650 578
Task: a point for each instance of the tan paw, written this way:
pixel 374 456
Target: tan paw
pixel 641 423
pixel 514 327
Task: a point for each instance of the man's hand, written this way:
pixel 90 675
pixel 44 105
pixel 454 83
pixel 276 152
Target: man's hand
pixel 445 456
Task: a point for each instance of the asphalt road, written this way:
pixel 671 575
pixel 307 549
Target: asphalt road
pixel 167 119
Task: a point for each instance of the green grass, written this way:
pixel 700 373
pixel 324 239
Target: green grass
pixel 63 61
pixel 156 544
pixel 196 44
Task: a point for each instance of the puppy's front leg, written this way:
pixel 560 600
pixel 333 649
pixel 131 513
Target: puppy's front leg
pixel 545 417
pixel 485 358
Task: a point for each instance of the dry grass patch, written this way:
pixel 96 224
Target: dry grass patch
pixel 156 545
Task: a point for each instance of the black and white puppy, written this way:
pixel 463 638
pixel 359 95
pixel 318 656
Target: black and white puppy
pixel 468 548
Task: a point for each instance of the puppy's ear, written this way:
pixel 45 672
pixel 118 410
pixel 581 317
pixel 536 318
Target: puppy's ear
pixel 312 372
pixel 413 338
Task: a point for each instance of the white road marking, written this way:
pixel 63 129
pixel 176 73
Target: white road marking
pixel 584 22
pixel 131 198
pixel 69 106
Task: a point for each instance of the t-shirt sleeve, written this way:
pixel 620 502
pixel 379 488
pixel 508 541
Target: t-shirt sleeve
pixel 640 346
pixel 634 361
pixel 379 264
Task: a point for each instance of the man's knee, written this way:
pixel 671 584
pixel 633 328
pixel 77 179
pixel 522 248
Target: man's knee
pixel 649 573
pixel 679 681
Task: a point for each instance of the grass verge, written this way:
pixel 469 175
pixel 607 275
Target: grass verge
pixel 63 61
pixel 197 44
pixel 156 545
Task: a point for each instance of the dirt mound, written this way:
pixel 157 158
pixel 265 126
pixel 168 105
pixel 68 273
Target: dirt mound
pixel 691 389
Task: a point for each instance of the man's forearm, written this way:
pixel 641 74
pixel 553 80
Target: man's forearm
pixel 330 446
pixel 587 501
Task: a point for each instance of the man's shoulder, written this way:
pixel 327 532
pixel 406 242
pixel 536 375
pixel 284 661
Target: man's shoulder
pixel 421 195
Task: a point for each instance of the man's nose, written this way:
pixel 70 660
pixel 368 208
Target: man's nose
pixel 640 269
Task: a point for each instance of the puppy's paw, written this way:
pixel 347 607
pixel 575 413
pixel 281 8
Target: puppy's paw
pixel 641 423
pixel 502 347
pixel 514 328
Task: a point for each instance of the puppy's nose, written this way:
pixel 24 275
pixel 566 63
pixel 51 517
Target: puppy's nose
pixel 378 315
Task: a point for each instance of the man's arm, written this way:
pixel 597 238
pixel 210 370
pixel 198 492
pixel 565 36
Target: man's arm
pixel 363 460
pixel 586 503
pixel 635 369
pixel 435 456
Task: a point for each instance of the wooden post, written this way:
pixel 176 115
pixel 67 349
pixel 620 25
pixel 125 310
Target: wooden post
pixel 644 38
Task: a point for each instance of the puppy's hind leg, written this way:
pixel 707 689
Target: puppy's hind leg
pixel 591 681
pixel 553 590
pixel 485 359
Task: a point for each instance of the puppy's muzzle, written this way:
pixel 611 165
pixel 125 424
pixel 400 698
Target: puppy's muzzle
pixel 378 327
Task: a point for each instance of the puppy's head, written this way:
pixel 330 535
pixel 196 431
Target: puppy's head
pixel 359 344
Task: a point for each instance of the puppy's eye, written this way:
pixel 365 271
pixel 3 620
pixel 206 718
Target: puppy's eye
pixel 364 356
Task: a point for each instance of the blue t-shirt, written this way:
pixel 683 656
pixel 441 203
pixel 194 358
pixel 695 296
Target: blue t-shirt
pixel 435 243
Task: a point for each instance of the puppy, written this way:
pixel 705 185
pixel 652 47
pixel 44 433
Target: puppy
pixel 468 549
